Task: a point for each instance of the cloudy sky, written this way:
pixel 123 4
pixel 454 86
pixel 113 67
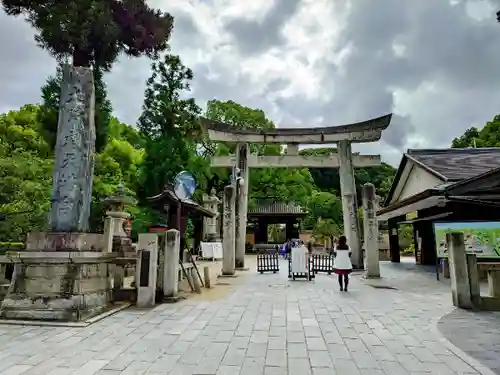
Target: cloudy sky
pixel 434 63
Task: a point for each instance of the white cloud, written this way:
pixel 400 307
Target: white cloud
pixel 312 63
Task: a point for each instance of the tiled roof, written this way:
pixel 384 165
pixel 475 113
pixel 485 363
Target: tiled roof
pixel 270 207
pixel 456 164
pixel 168 197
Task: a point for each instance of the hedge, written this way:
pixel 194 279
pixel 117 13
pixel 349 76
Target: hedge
pixel 6 246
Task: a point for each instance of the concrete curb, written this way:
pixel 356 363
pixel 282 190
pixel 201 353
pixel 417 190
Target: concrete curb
pixel 474 363
pixel 82 324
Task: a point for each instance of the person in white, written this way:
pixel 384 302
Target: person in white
pixel 342 264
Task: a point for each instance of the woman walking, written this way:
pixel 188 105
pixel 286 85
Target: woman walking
pixel 342 263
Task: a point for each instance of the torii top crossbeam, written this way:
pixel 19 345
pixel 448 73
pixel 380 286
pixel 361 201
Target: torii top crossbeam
pixel 365 131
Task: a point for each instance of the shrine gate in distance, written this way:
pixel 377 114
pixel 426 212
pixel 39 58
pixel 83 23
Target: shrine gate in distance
pixel 343 136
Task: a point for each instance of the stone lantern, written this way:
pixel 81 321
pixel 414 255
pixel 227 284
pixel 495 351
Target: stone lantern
pixel 116 239
pixel 211 203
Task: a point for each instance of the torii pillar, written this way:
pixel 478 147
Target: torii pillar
pixel 242 152
pixel 349 203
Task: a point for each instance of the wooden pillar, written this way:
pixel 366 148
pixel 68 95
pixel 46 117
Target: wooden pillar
pixel 289 234
pixel 428 250
pixel 265 225
pixel 198 232
pixel 261 231
pixel 416 243
pixel 394 240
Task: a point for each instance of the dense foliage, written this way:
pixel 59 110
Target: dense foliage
pixel 26 161
pixel 488 136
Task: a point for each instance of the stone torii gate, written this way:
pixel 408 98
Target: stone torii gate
pixel 345 160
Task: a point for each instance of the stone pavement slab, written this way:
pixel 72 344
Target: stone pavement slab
pixel 265 325
pixel 476 333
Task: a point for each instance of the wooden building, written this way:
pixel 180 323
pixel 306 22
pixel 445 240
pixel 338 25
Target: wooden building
pixel 177 212
pixel 441 185
pixel 269 211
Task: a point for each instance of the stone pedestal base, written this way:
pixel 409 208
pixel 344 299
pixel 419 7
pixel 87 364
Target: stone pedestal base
pixel 173 299
pixel 55 284
pixel 123 246
pixel 212 237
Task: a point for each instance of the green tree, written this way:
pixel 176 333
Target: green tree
pixel 283 184
pixel 323 205
pixel 124 132
pixel 327 229
pixel 466 140
pixel 488 136
pixel 25 174
pixel 169 123
pixel 328 179
pixel 237 115
pixel 95 32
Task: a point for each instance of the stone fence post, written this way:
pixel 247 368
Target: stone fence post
pixel 370 232
pixel 171 266
pixel 463 273
pixel 228 234
pixel 146 269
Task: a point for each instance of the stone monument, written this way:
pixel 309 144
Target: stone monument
pixel 372 267
pixel 63 274
pixel 228 234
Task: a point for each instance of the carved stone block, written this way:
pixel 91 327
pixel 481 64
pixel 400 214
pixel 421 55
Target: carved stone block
pixel 75 145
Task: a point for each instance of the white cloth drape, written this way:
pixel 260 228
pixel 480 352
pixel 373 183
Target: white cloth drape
pixel 300 256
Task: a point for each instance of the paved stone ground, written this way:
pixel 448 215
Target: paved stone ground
pixel 266 325
pixel 477 334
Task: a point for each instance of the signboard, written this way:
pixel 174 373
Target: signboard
pixel 144 270
pixel 411 215
pixel 481 237
pixel 211 250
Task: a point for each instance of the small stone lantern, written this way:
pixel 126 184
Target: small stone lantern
pixel 116 217
pixel 211 203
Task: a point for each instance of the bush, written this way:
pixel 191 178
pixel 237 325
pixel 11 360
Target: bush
pixel 6 246
pixel 410 250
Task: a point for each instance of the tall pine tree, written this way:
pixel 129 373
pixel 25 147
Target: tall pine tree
pixel 170 124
